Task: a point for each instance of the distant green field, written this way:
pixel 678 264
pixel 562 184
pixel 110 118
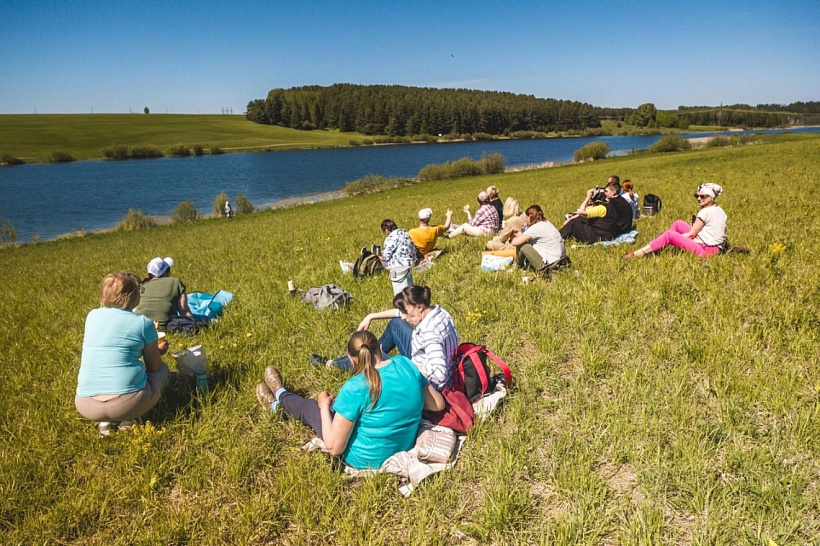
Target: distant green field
pixel 33 138
pixel 665 400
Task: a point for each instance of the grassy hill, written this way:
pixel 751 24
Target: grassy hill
pixel 665 400
pixel 33 138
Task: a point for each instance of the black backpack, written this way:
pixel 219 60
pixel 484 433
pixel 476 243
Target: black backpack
pixel 652 204
pixel 367 264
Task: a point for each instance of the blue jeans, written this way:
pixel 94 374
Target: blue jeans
pixel 397 335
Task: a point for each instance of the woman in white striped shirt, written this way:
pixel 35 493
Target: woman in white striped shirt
pixel 423 332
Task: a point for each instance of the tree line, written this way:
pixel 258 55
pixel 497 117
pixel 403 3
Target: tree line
pixel 402 111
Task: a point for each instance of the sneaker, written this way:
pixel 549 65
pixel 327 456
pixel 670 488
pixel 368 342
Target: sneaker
pixel 318 361
pixel 273 379
pixel 105 429
pixel 125 426
pixel 263 394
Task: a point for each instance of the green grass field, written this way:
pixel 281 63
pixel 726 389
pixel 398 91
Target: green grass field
pixel 669 400
pixel 33 138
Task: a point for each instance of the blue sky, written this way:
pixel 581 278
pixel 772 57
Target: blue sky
pixel 200 57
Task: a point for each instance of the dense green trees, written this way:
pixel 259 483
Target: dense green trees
pixel 399 111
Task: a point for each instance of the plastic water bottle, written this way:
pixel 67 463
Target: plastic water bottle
pixel 202 382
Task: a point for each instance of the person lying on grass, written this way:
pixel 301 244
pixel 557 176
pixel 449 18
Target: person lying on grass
pixel 704 237
pixel 423 332
pixel 540 247
pixel 376 413
pixel 113 383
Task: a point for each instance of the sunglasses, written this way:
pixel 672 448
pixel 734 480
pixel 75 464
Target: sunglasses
pixel 699 196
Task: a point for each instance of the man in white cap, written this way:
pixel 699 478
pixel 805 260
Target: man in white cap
pixel 424 237
pixel 161 295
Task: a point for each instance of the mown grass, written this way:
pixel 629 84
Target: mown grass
pixel 33 138
pixel 665 400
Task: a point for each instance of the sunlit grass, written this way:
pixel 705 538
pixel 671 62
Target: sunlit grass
pixel 663 400
pixel 33 138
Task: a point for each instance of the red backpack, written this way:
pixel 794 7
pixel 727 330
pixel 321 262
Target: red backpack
pixel 473 375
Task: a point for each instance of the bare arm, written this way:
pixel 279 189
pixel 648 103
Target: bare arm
pixel 449 219
pixel 696 227
pixel 183 305
pixel 433 400
pixel 381 315
pixel 335 429
pixel 520 239
pixel 152 353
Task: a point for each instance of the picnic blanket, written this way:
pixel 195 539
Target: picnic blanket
pixel 625 239
pixel 406 464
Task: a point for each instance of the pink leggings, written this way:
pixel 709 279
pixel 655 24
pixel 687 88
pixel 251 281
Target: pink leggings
pixel 676 236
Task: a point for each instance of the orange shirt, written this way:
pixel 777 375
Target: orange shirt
pixel 425 238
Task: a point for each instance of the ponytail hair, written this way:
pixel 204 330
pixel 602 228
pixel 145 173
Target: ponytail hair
pixel 366 351
pixel 627 187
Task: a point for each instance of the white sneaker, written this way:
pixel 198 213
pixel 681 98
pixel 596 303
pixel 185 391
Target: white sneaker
pixel 105 429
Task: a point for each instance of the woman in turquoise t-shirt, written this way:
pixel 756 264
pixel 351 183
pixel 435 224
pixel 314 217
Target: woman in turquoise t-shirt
pixel 113 383
pixel 376 413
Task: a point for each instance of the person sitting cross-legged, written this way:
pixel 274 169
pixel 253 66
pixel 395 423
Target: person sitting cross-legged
pixel 540 247
pixel 376 413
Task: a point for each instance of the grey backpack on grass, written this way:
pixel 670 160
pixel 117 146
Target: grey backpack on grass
pixel 326 296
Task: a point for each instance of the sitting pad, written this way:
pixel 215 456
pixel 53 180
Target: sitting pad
pixel 625 239
pixel 406 464
pixel 207 306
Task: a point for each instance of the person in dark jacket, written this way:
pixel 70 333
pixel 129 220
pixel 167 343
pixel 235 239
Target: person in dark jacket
pixel 602 222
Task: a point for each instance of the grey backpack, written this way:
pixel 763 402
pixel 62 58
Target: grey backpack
pixel 326 296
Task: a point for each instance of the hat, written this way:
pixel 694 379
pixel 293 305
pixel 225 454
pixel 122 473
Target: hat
pixel 713 190
pixel 157 267
pixel 425 214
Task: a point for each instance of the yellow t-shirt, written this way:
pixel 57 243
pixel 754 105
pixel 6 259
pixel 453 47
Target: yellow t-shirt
pixel 425 238
pixel 598 211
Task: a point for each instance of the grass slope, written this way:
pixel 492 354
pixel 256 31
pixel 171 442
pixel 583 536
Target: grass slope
pixel 665 400
pixel 33 137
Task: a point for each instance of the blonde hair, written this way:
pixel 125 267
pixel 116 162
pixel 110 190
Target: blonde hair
pixel 365 352
pixel 492 192
pixel 511 207
pixel 120 290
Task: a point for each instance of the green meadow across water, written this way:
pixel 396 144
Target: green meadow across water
pixel 663 400
pixel 33 138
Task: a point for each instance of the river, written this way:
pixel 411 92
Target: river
pixel 44 200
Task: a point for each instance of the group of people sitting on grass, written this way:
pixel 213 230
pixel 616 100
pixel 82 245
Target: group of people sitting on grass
pixel 377 410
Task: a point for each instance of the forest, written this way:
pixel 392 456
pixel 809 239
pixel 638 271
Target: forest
pixel 399 111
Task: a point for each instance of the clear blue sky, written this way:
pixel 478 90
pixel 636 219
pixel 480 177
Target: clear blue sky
pixel 198 57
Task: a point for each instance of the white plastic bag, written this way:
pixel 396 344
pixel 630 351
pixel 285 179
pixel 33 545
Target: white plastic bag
pixel 192 362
